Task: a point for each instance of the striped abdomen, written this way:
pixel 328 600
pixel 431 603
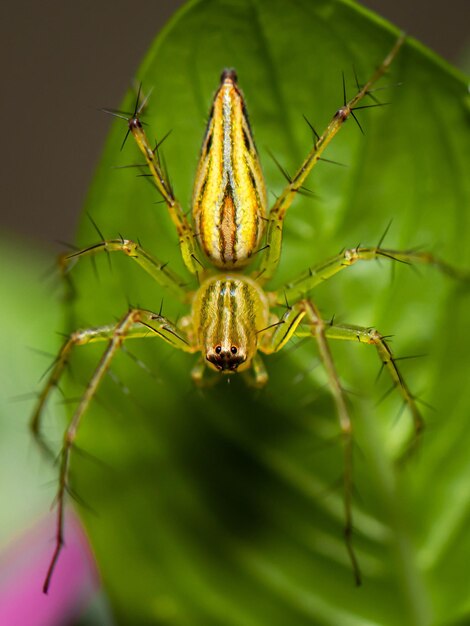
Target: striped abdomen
pixel 228 313
pixel 229 200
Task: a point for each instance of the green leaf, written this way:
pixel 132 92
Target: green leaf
pixel 27 326
pixel 223 506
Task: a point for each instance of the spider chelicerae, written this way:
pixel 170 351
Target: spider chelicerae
pixel 231 319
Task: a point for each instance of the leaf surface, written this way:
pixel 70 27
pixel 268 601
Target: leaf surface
pixel 223 506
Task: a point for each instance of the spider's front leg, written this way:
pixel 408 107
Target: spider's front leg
pixel 372 337
pixel 317 328
pixel 136 323
pixel 293 323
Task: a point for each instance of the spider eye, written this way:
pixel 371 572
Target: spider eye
pixel 218 349
pixel 234 350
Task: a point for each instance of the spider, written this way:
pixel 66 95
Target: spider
pixel 231 319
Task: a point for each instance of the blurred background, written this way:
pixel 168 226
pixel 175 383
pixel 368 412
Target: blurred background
pixel 61 61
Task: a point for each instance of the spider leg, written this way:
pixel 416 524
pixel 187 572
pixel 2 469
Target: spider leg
pixel 136 323
pixel 184 229
pixel 303 284
pixel 277 213
pixel 158 270
pixel 371 336
pixel 317 328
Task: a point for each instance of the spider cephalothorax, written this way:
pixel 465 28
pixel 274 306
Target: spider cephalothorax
pixel 228 312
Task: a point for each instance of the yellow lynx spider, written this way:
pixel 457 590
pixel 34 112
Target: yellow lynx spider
pixel 230 320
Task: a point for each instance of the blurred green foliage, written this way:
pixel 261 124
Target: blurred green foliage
pixel 222 506
pixel 28 319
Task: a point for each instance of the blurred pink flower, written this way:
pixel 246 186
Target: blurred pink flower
pixel 23 567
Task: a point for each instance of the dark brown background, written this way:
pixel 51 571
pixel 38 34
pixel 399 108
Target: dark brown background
pixel 61 60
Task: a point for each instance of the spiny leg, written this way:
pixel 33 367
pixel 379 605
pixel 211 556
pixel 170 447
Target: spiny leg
pixel 158 270
pixel 136 323
pixel 77 338
pixel 276 340
pixel 301 286
pixel 371 336
pixel 318 330
pixel 276 216
pixel 156 325
pixel 184 229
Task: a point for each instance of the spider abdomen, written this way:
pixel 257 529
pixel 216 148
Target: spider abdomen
pixel 229 200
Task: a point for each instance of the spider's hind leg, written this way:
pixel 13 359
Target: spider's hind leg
pixel 277 214
pixel 184 229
